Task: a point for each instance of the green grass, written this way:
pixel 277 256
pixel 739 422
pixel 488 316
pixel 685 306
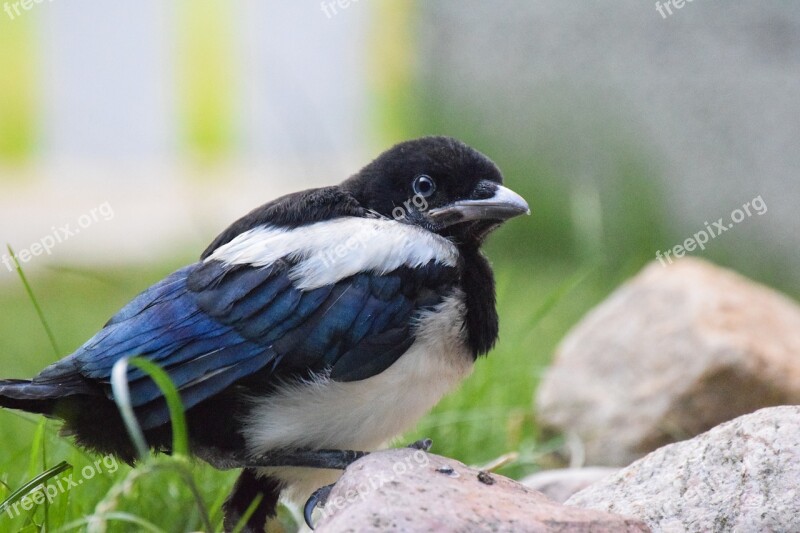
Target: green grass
pixel 490 415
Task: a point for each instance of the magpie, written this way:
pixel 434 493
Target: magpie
pixel 311 331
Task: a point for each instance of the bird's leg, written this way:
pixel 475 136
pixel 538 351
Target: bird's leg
pixel 249 485
pixel 320 496
pixel 331 459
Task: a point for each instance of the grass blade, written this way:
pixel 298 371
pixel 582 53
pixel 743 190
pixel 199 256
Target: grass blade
pixel 248 513
pixel 560 292
pixel 188 479
pixel 180 435
pixel 142 524
pixel 33 484
pixel 35 420
pixel 122 397
pixel 34 302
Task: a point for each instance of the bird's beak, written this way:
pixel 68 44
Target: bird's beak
pixel 502 205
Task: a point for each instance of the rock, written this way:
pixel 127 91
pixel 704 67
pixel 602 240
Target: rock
pixel 409 490
pixel 561 483
pixel 674 352
pixel 741 476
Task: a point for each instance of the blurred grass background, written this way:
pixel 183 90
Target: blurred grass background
pixel 584 238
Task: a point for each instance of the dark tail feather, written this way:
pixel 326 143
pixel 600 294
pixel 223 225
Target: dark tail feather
pixel 28 396
pixel 44 392
pixel 247 488
pixel 88 414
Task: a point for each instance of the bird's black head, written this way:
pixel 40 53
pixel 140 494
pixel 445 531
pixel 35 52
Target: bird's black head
pixel 439 183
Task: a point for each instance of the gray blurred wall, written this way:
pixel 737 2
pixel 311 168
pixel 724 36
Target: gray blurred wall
pixel 711 94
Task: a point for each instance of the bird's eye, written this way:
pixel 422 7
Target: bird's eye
pixel 424 186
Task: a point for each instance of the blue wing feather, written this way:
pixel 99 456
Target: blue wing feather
pixel 170 287
pixel 210 325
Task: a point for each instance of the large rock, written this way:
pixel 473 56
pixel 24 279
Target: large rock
pixel 741 476
pixel 561 483
pixel 673 352
pixel 408 490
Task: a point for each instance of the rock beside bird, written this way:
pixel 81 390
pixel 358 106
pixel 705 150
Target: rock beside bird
pixel 743 475
pixel 410 490
pixel 670 354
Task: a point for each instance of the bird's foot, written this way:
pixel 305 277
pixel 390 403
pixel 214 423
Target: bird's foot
pixel 320 496
pixel 317 499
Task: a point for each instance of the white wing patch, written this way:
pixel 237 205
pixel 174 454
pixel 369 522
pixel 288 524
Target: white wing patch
pixel 329 251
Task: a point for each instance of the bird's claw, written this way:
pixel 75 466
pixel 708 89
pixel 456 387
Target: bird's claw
pixel 320 496
pixel 422 444
pixel 317 499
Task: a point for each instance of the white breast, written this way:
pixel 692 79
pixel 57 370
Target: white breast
pixel 362 415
